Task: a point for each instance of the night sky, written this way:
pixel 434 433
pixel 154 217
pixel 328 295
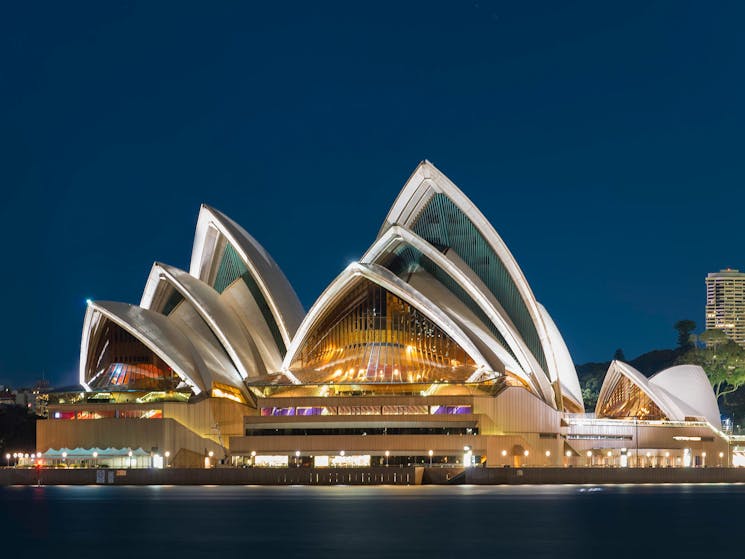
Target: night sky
pixel 604 141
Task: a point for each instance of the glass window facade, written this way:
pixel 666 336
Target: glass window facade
pixel 415 409
pixel 315 410
pixel 173 301
pixel 450 410
pixel 372 336
pixel 119 361
pixel 231 269
pixel 628 400
pixel 108 414
pixel 141 414
pixel 445 226
pixel 405 410
pixel 274 411
pixel 406 260
pixel 257 431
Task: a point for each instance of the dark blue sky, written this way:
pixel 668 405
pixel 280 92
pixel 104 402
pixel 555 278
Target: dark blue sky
pixel 603 141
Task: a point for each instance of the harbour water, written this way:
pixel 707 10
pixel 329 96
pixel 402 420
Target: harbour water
pixel 166 522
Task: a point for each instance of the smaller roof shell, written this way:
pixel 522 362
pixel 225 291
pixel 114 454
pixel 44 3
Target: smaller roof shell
pixel 681 392
pixel 276 289
pixel 219 317
pixel 688 387
pixel 155 331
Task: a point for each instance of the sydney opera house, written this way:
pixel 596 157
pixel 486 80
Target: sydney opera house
pixel 431 348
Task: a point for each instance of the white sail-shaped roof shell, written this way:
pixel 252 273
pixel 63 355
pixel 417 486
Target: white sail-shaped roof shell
pixel 425 183
pixel 220 318
pixel 153 330
pixel 207 337
pixel 417 192
pixel 688 387
pixel 231 331
pixel 566 372
pixel 681 392
pixel 275 289
pixel 523 364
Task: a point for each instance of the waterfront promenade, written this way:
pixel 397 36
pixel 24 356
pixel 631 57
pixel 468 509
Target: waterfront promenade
pixel 368 476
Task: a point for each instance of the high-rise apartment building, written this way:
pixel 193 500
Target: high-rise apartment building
pixel 725 303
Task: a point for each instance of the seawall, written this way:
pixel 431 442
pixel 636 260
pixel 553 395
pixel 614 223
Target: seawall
pixel 369 476
pixel 215 476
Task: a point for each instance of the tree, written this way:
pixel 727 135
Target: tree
pixel 685 328
pixel 713 338
pixel 618 355
pixel 590 392
pixel 722 359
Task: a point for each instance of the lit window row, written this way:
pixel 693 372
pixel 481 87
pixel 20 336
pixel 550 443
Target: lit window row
pixel 109 414
pixel 367 410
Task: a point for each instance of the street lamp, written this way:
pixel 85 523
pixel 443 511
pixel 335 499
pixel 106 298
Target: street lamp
pixel 7 459
pixel 129 461
pixel 95 457
pixel 589 457
pixel 167 454
pixel 721 455
pixel 526 454
pixel 548 457
pixel 430 457
pixel 253 458
pixel 703 459
pixel 297 458
pixel 387 454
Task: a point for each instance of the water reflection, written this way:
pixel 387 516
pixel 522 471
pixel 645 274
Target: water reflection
pixel 412 522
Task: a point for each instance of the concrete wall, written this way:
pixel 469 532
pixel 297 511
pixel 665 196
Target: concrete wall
pixel 515 410
pixel 163 434
pixel 599 476
pixel 197 427
pixel 205 417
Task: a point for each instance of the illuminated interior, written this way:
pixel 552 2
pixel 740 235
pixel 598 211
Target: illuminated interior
pixel 119 361
pixel 628 400
pixel 220 390
pixel 373 336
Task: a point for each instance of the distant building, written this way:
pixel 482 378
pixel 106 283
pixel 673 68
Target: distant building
pixel 7 398
pixel 34 399
pixel 725 303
